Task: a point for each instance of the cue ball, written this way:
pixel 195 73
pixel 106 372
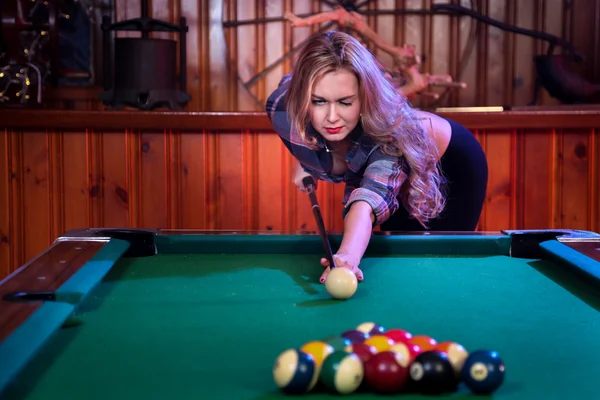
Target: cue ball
pixel 341 283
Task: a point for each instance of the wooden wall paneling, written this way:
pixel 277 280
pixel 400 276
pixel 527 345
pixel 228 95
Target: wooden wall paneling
pixel 493 85
pixel 71 180
pixel 595 178
pixel 576 184
pixel 32 148
pixel 536 164
pixel 6 223
pixel 228 182
pixel 199 172
pixel 549 19
pixel 272 183
pixel 523 69
pixel 153 174
pixel 111 178
pixel 218 83
pixel 440 47
pixel 469 31
pixel 500 149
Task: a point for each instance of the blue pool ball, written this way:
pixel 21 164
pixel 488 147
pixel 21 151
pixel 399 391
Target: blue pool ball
pixel 483 371
pixel 295 372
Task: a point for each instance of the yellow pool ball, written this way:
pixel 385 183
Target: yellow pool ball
pixel 319 351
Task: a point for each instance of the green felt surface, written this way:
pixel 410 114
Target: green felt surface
pixel 209 326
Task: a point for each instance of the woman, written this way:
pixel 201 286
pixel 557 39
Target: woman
pixel 406 170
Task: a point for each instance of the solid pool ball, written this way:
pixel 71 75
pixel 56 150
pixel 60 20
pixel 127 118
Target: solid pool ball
pixel 319 350
pixel 483 371
pixel 362 350
pixel 295 372
pixel 380 342
pixel 337 342
pixel 342 372
pixel 426 343
pixel 398 335
pixel 386 372
pixel 341 283
pixel 355 336
pixel 432 373
pixel 371 328
pixel 457 354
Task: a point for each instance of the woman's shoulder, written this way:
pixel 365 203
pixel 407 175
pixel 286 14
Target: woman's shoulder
pixel 275 101
pixel 437 127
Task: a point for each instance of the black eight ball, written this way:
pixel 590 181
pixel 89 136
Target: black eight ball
pixel 431 372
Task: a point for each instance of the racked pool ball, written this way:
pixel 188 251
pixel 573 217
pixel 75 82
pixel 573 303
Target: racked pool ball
pixel 371 328
pixel 342 372
pixel 337 342
pixel 424 342
pixel 386 372
pixel 319 350
pixel 362 350
pixel 398 335
pixel 355 336
pixel 431 373
pixel 483 371
pixel 295 372
pixel 380 342
pixel 457 354
pixel 341 283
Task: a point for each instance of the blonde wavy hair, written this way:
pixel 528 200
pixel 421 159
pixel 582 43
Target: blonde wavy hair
pixel 387 117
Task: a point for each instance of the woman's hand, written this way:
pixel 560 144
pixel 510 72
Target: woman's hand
pixel 299 174
pixel 342 261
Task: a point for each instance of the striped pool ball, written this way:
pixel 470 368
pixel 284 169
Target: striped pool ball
pixel 371 328
pixel 319 350
pixel 483 371
pixel 407 350
pixel 342 372
pixel 295 372
pixel 457 354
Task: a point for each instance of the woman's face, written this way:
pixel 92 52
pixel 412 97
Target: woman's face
pixel 335 106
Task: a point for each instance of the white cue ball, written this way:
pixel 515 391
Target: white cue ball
pixel 341 283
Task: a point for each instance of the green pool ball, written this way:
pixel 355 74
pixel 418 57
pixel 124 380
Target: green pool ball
pixel 342 372
pixel 337 342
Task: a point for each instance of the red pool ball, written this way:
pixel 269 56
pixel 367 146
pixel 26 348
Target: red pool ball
pixel 398 335
pixel 362 350
pixel 387 372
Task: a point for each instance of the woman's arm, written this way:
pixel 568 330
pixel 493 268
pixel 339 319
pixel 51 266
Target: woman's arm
pixel 358 226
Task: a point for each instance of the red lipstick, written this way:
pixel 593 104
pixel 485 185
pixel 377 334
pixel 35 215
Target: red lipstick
pixel 333 131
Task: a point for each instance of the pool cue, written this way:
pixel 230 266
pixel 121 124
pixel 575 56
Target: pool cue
pixel 309 183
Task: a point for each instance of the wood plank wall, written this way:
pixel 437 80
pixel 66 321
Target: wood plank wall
pixel 497 65
pixel 70 170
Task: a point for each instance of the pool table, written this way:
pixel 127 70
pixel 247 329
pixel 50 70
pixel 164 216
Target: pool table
pixel 153 314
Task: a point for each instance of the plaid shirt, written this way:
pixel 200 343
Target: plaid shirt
pixel 373 176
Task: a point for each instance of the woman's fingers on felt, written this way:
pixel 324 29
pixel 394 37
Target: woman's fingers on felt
pixel 339 264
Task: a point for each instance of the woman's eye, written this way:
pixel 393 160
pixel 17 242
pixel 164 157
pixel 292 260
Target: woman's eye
pixel 345 104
